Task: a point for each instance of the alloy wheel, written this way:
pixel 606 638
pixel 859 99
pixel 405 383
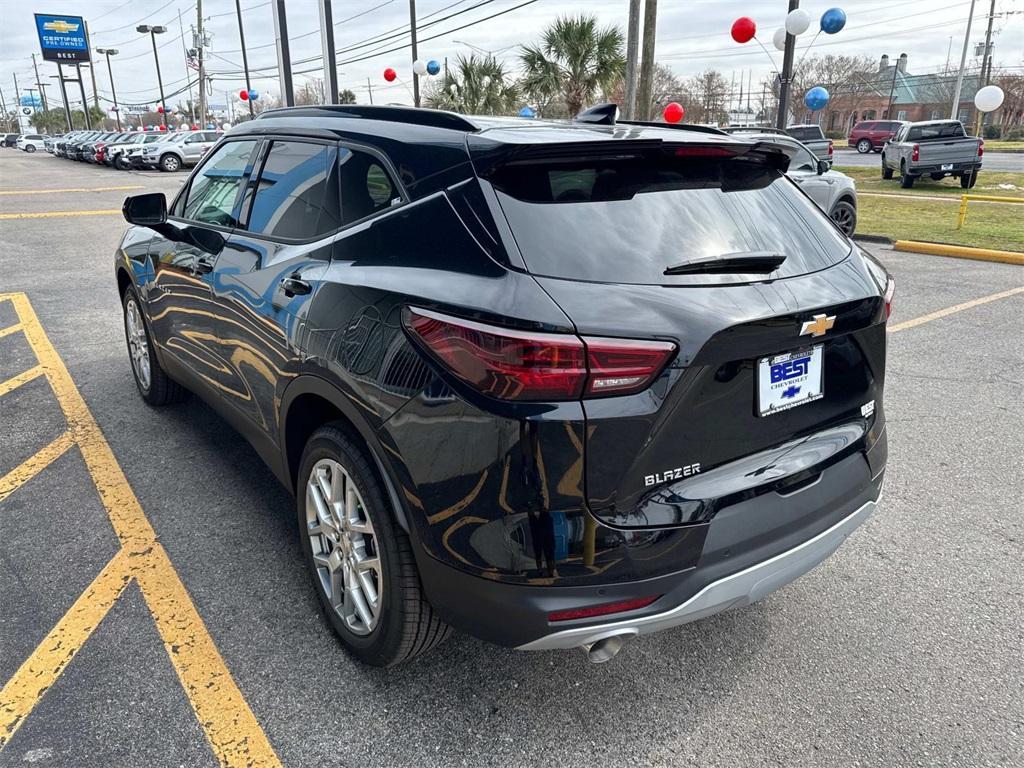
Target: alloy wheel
pixel 843 217
pixel 863 146
pixel 344 546
pixel 138 345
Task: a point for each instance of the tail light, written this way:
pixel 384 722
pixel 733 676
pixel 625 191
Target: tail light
pixel 523 365
pixel 915 154
pixel 890 292
pixel 591 611
pixel 831 148
pixel 704 152
pixel 981 147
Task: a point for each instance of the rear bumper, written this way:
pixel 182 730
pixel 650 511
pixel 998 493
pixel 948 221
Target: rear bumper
pixel 924 170
pixel 739 589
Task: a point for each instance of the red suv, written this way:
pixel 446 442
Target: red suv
pixel 870 135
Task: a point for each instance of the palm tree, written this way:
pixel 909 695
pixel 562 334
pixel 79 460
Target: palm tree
pixel 574 61
pixel 474 86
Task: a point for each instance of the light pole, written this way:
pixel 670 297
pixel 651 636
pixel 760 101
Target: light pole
pixel 153 31
pixel 108 52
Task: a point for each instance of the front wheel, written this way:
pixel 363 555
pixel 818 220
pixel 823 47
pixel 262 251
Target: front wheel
pixel 844 214
pixel 968 180
pixel 30 149
pixel 121 163
pixel 169 163
pixel 360 560
pixel 864 146
pixel 155 386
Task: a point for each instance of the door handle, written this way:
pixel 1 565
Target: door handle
pixel 294 286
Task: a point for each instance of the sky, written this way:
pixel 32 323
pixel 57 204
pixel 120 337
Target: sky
pixel 692 36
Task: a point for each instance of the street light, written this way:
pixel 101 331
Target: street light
pixel 108 52
pixel 153 31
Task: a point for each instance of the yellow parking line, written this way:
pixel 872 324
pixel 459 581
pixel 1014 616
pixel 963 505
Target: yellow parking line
pixel 33 465
pixel 55 214
pixel 68 189
pixel 235 735
pixel 40 670
pixel 22 378
pixel 9 330
pixel 953 310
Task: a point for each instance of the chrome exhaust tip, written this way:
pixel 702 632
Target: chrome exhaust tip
pixel 607 648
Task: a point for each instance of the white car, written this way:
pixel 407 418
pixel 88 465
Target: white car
pixel 30 142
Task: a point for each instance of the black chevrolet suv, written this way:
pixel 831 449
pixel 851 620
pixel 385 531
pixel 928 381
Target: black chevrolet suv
pixel 553 384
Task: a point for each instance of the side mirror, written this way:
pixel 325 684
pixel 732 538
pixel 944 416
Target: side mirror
pixel 823 167
pixel 146 210
pixel 208 240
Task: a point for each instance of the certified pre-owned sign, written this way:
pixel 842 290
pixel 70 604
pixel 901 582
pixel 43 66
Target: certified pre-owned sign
pixel 62 38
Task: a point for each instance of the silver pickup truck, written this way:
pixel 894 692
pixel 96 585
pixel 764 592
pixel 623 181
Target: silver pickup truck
pixel 936 148
pixel 812 137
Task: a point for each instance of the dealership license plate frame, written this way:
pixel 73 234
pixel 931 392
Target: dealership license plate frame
pixel 770 397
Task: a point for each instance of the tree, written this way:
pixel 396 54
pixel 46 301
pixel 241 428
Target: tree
pixel 710 93
pixel 574 60
pixel 842 76
pixel 474 86
pixel 51 121
pixel 346 97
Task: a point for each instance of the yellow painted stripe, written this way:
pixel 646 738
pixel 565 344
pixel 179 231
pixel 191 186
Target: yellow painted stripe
pixel 41 669
pixel 34 464
pixel 57 214
pixel 9 330
pixel 22 378
pixel 68 189
pixel 235 736
pixel 954 309
pixel 959 251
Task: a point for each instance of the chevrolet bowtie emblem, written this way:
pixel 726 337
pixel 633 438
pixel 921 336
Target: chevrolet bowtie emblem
pixel 818 325
pixel 60 26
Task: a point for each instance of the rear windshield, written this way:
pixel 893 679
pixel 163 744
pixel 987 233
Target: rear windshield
pixel 805 134
pixel 936 131
pixel 626 220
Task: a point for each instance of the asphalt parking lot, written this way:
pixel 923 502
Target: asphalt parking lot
pixel 165 552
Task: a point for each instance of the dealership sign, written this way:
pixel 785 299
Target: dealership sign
pixel 62 38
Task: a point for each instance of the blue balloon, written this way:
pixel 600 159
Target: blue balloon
pixel 210 126
pixel 526 112
pixel 816 98
pixel 833 20
pixel 433 67
pixel 253 95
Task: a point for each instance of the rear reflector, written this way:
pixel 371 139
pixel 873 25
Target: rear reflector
pixel 602 610
pixel 523 365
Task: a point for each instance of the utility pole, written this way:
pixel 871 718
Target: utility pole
pixel 632 50
pixel 188 75
pixel 415 52
pixel 46 107
pixel 3 111
pixel 330 58
pixel 95 93
pixel 369 88
pixel 986 64
pixel 17 91
pixel 200 51
pixel 787 73
pixel 955 107
pixel 646 85
pixel 245 56
pixel 284 54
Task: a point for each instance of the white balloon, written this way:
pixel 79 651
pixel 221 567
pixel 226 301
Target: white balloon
pixel 798 21
pixel 226 126
pixel 419 67
pixel 779 38
pixel 989 99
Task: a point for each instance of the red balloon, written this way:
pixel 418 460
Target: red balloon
pixel 243 95
pixel 743 29
pixel 390 75
pixel 673 112
pixel 160 110
pixel 163 127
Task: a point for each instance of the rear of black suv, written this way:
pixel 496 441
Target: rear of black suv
pixel 705 424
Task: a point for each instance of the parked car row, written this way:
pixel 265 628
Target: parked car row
pixel 142 150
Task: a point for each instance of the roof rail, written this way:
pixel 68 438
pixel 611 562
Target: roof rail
pixel 680 126
pixel 433 118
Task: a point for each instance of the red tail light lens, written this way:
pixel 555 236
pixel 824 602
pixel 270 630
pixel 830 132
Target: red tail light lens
pixel 890 292
pixel 915 154
pixel 981 147
pixel 522 365
pixel 602 610
pixel 831 148
pixel 704 152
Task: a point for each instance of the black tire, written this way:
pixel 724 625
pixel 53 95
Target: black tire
pixel 844 214
pixel 170 163
pixel 968 180
pixel 121 163
pixel 407 625
pixel 864 146
pixel 161 389
pixel 30 148
pixel 886 170
pixel 906 180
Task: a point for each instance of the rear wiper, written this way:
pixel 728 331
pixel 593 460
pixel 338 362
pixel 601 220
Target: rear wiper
pixel 731 264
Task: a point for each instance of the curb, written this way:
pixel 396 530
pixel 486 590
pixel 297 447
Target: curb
pixel 960 252
pixel 880 239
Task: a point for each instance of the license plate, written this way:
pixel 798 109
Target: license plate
pixel 947 166
pixel 788 380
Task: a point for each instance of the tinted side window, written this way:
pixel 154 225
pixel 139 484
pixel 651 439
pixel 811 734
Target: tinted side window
pixel 211 197
pixel 291 193
pixel 366 187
